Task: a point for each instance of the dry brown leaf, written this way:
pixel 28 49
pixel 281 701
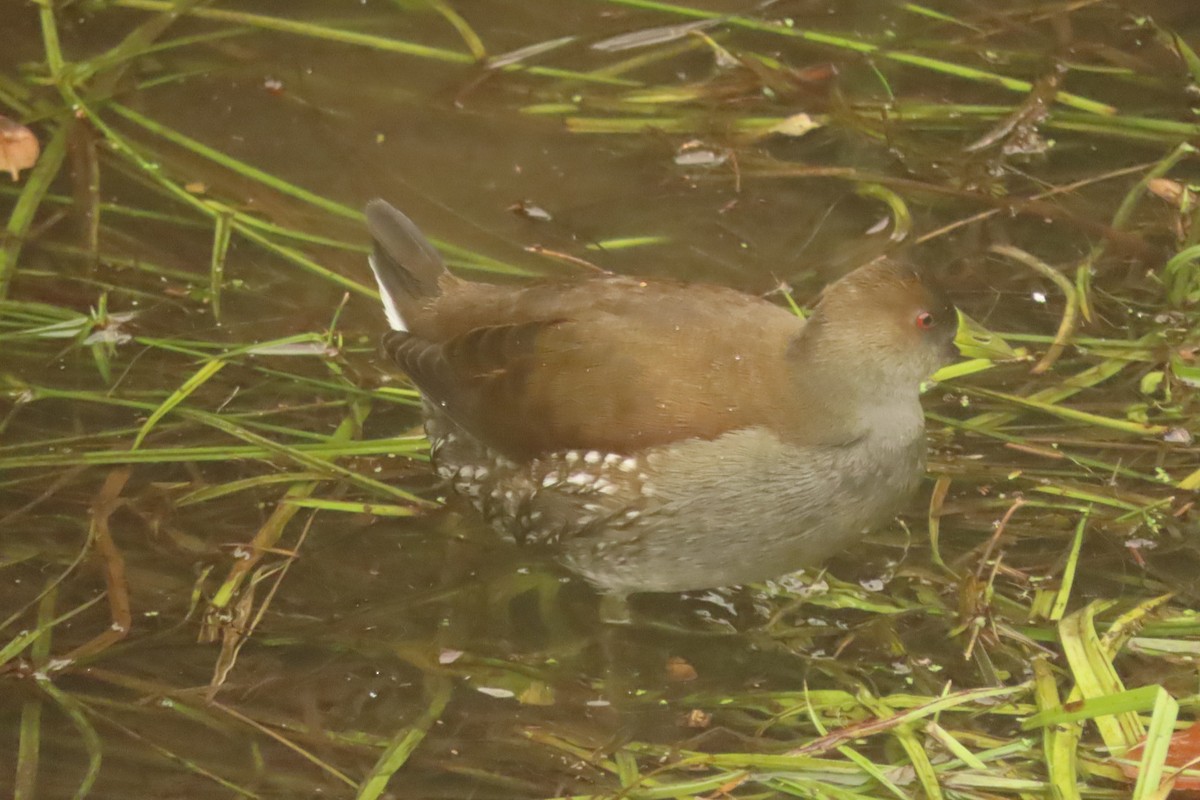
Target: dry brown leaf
pixel 1183 753
pixel 18 148
pixel 1167 189
pixel 679 670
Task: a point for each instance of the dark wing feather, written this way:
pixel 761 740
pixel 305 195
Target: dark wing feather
pixel 477 379
pixel 405 260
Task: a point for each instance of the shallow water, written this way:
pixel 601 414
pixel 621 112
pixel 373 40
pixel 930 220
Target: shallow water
pixel 491 660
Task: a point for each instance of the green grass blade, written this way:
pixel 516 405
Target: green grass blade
pixel 401 748
pixel 234 165
pixel 1142 698
pixel 87 734
pixel 1075 415
pixel 866 48
pixel 380 43
pixel 349 507
pixel 1157 745
pixel 1060 740
pixel 21 218
pixel 1096 679
pixel 1068 579
pixel 193 383
pixel 29 745
pixel 220 249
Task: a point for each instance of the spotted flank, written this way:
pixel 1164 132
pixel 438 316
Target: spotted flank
pixel 546 499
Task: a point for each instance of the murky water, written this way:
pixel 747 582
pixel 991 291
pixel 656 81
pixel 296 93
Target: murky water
pixel 491 659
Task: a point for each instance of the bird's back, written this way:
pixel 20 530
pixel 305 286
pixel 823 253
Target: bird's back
pixel 611 364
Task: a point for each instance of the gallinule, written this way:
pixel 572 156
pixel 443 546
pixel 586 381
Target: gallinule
pixel 664 436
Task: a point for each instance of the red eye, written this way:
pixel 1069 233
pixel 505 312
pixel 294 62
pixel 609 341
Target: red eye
pixel 925 321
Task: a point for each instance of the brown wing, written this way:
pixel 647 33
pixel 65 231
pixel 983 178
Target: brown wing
pixel 616 371
pixel 478 379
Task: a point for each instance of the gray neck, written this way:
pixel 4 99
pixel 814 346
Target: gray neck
pixel 875 397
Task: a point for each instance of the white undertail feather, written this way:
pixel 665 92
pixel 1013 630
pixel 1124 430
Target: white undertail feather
pixel 390 308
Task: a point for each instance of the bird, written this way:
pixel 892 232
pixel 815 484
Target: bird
pixel 660 436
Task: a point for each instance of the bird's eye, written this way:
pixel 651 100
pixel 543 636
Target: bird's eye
pixel 925 321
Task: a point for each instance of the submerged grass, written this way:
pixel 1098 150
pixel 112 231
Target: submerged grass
pixel 196 435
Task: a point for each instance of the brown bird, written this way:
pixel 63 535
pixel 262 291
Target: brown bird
pixel 663 436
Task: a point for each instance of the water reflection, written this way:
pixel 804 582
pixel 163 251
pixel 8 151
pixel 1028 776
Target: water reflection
pixel 483 670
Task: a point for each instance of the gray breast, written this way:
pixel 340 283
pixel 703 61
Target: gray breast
pixel 746 508
pixel 697 514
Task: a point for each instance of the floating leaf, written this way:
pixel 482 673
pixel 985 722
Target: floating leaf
pixel 797 125
pixel 530 210
pixel 973 340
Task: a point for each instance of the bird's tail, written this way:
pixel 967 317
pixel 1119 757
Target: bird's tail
pixel 405 264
